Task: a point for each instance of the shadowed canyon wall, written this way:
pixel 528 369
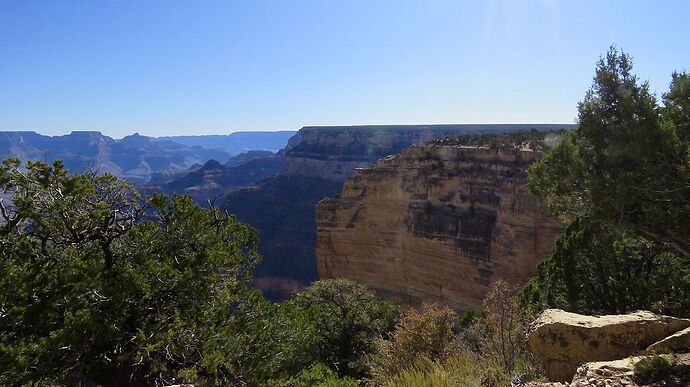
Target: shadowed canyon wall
pixel 436 223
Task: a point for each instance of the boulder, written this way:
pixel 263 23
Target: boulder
pixel 564 341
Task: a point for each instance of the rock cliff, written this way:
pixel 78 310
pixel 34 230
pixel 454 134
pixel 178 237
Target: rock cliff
pixel 318 159
pixel 334 152
pixel 436 222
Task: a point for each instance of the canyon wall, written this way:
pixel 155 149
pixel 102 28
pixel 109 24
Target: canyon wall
pixel 334 152
pixel 436 223
pixel 317 162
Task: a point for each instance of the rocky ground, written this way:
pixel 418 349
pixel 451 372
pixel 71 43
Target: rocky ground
pixel 619 373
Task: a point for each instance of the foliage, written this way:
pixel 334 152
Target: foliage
pixel 318 375
pixel 252 342
pixel 462 370
pixel 426 345
pixel 498 338
pixel 99 285
pixel 598 269
pixel 347 318
pixel 622 178
pixel 469 317
pixel 653 366
pixel 426 333
pixel 505 326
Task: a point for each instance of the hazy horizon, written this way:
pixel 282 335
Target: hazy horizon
pixel 164 68
pixel 201 133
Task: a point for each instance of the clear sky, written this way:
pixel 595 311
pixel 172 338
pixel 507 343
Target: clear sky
pixel 200 67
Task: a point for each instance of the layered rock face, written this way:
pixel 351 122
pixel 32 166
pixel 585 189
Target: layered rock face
pixel 318 159
pixel 436 223
pixel 334 152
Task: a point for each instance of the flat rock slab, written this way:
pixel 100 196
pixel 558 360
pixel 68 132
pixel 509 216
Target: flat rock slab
pixel 564 341
pixel 677 342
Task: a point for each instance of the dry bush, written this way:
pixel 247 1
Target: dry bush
pixel 420 335
pixel 425 346
pixel 460 370
pixel 500 336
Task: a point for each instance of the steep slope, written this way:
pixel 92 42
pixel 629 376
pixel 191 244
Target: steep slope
pixel 436 222
pixel 283 209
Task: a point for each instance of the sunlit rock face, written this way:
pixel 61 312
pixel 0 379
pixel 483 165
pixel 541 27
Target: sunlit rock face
pixel 333 153
pixel 436 223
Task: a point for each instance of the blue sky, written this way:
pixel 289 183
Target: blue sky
pixel 200 67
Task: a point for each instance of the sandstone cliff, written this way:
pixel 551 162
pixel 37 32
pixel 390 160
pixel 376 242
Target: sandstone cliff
pixel 318 159
pixel 334 152
pixel 436 222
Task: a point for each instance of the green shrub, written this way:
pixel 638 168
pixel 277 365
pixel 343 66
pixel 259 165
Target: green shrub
pixel 347 319
pixel 424 333
pixel 620 181
pixel 318 375
pixel 653 366
pixel 99 285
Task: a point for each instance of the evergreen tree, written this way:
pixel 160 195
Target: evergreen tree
pixel 99 285
pixel 621 182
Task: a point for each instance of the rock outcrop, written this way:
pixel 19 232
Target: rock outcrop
pixel 622 373
pixel 334 152
pixel 564 341
pixel 436 223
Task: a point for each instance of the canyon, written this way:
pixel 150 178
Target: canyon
pixel 436 223
pixel 277 193
pixel 139 159
pixel 214 180
pixel 317 162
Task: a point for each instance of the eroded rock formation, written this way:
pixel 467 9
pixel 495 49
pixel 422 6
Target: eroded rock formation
pixel 436 223
pixel 334 152
pixel 318 159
